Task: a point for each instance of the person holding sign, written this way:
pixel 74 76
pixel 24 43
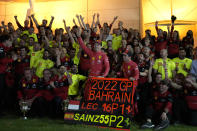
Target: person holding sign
pixel 99 61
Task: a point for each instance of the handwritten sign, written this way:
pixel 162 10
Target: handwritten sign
pixel 107 102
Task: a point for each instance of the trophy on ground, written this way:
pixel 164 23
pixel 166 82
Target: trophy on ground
pixel 24 107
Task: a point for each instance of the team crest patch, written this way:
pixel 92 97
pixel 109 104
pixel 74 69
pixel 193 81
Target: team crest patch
pixel 34 80
pixel 19 60
pixel 24 85
pixel 129 67
pixel 160 64
pixel 155 97
pixel 185 91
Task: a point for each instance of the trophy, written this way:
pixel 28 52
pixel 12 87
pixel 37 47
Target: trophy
pixel 24 106
pixel 65 105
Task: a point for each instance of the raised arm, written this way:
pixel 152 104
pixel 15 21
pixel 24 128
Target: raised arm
pixel 17 22
pixel 68 31
pixel 93 22
pixel 98 21
pixel 35 21
pixel 156 28
pixel 74 22
pixel 83 46
pixel 51 22
pixel 115 18
pixel 173 18
pixel 31 22
pixel 84 25
pixel 4 27
pixel 79 21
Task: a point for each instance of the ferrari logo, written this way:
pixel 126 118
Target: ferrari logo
pixel 100 57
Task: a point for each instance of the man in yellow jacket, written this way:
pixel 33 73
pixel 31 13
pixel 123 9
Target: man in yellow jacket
pixel 74 80
pixel 43 63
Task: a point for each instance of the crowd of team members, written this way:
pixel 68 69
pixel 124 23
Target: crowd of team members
pixel 49 67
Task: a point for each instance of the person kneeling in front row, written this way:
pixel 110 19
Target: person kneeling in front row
pixel 160 108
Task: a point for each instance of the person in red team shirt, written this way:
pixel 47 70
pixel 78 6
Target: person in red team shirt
pixel 160 43
pixel 60 85
pixel 28 91
pixel 160 108
pixel 99 61
pixel 22 62
pixel 84 64
pixel 129 68
pixel 5 47
pixel 190 93
pixel 46 90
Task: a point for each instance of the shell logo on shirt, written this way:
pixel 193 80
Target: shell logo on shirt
pixel 93 58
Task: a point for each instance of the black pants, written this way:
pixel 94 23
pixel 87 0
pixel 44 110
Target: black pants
pixel 57 110
pixel 144 95
pixel 155 115
pixel 179 109
pixel 39 107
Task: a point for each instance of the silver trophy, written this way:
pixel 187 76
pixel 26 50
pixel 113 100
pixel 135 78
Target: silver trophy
pixel 65 104
pixel 24 106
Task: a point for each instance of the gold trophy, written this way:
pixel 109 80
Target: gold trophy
pixel 24 106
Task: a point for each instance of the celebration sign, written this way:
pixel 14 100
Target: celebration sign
pixel 107 102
